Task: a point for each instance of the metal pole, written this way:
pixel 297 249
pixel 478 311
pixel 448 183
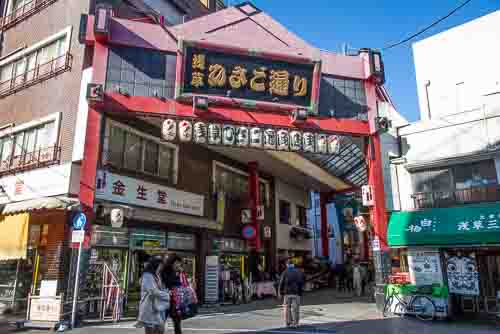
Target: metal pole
pixel 75 292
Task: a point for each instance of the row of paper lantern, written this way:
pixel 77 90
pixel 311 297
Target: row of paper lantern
pixel 255 137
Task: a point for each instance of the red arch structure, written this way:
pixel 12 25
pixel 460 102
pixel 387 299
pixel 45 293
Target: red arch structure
pixel 237 29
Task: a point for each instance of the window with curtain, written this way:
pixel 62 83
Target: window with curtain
pixel 139 152
pixel 477 174
pixel 27 141
pixel 33 64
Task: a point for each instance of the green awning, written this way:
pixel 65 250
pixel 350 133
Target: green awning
pixel 465 225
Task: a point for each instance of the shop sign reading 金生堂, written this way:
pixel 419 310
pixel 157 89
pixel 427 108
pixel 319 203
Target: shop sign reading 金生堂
pixel 127 190
pixel 199 132
pixel 248 77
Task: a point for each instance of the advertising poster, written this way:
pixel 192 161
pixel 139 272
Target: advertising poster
pixel 463 277
pixel 425 267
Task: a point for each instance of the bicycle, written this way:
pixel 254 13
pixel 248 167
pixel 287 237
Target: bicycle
pixel 419 305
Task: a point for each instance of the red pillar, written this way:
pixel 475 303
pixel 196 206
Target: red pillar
pixel 253 181
pixel 325 244
pixel 378 213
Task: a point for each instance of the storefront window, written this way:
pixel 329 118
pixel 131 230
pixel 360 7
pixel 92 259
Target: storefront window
pixel 285 214
pixel 181 241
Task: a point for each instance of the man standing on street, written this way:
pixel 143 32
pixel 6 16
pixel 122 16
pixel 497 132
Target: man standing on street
pixel 291 285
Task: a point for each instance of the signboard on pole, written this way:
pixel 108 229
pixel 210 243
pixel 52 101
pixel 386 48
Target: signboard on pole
pixel 78 236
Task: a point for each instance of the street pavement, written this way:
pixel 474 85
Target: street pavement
pixel 323 312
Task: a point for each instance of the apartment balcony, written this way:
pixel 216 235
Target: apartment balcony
pixel 20 14
pixel 38 74
pixel 30 160
pixel 445 199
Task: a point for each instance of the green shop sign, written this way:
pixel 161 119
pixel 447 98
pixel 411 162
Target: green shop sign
pixel 466 225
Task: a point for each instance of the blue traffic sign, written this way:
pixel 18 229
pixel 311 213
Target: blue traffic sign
pixel 79 221
pixel 249 232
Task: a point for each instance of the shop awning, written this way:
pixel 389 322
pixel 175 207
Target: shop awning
pixel 43 203
pixel 14 236
pixel 466 225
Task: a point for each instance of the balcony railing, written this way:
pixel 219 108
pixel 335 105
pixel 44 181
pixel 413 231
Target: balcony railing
pixel 30 160
pixel 38 74
pixel 19 14
pixel 444 199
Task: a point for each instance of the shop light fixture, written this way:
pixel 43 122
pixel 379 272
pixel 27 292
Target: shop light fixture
pixel 200 102
pixel 299 116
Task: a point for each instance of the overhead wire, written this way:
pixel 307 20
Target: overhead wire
pixel 409 38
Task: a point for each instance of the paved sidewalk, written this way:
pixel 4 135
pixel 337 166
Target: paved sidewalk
pixel 323 312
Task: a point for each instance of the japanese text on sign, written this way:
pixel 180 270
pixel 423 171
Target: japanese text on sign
pixel 489 222
pixel 216 73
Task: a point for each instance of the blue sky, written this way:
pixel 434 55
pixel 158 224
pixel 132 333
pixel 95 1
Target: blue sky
pixel 327 24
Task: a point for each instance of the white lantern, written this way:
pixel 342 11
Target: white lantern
pixel 270 139
pixel 228 134
pixel 333 142
pixel 116 216
pixel 308 142
pixel 214 134
pixel 295 141
pixel 256 137
pixel 168 129
pixel 200 132
pixel 242 136
pixel 321 145
pixel 360 223
pixel 185 130
pixel 283 140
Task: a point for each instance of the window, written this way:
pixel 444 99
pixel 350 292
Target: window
pixel 234 183
pixel 301 216
pixel 132 150
pixel 35 63
pixel 432 181
pixel 141 72
pixel 342 98
pixel 27 142
pixel 456 177
pixel 285 213
pixel 477 174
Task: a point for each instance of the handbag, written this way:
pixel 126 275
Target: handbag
pixel 184 300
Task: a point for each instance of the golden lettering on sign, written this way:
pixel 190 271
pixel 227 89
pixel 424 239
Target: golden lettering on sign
pixel 280 81
pixel 258 82
pixel 216 76
pixel 198 62
pixel 197 79
pixel 299 86
pixel 238 77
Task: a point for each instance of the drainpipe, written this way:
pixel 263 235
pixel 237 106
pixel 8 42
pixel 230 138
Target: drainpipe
pixel 427 84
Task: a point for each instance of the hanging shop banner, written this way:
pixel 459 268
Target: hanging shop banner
pixel 425 267
pixel 238 75
pixel 463 276
pixel 221 208
pixel 187 130
pixel 123 189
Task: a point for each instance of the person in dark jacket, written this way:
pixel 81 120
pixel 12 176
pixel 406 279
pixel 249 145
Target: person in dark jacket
pixel 291 286
pixel 170 276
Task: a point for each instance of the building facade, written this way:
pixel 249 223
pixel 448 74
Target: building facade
pixel 446 175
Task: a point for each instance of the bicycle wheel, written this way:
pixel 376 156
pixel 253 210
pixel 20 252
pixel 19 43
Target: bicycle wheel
pixel 400 309
pixel 423 307
pixel 387 306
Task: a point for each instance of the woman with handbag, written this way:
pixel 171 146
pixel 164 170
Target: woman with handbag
pixel 155 300
pixel 173 278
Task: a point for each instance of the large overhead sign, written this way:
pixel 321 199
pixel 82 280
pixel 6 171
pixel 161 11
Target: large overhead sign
pixel 247 77
pixel 187 130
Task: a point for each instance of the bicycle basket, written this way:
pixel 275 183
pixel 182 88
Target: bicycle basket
pixel 424 290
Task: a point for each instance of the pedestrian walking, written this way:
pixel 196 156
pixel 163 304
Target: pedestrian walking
pixel 154 299
pixel 357 279
pixel 171 278
pixel 291 287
